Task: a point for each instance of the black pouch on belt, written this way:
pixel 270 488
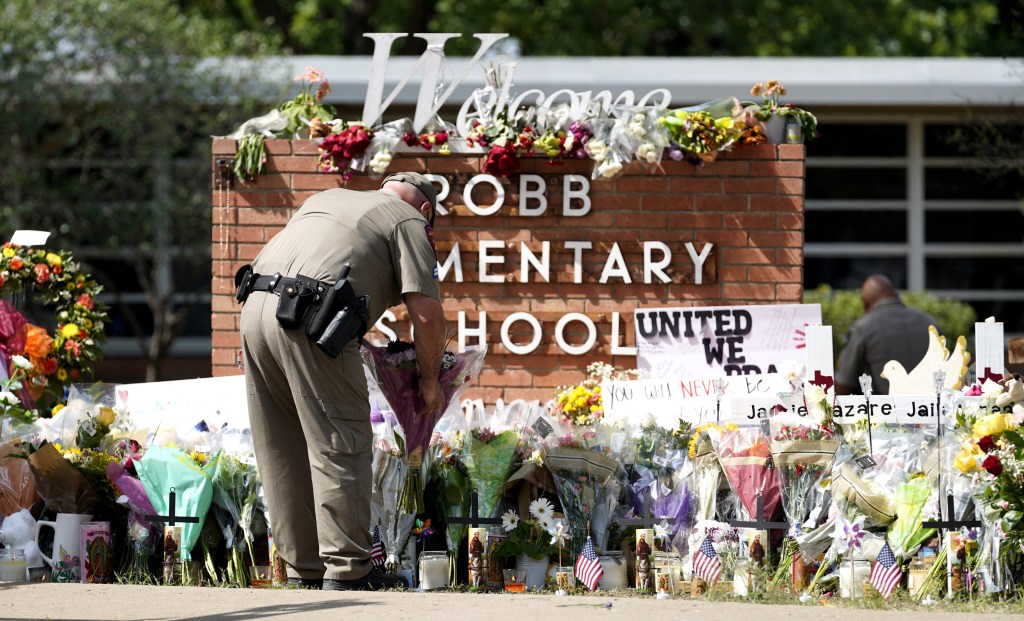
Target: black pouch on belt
pixel 296 299
pixel 244 278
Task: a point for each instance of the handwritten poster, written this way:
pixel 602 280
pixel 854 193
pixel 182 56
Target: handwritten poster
pixel 716 341
pixel 694 400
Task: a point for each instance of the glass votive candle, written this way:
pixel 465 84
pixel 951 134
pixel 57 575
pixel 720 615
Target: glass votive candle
pixel 433 570
pixel 515 580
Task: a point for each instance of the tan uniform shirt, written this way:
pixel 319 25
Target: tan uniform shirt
pixel 383 238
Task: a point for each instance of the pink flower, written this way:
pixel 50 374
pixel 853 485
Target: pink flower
pixel 973 391
pixel 312 75
pixel 322 90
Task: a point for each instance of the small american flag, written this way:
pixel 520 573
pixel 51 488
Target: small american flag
pixel 377 551
pixel 706 564
pixel 885 573
pixel 588 568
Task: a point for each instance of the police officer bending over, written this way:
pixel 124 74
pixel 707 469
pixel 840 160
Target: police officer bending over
pixel 310 294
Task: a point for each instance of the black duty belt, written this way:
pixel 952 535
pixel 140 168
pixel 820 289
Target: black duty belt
pixel 276 283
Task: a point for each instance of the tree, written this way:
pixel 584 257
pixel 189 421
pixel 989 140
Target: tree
pixel 108 108
pixel 641 27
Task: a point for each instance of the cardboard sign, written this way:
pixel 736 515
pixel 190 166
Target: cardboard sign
pixel 715 341
pixel 182 404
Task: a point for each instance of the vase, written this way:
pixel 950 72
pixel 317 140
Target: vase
pixel 67 544
pixel 536 570
pixel 775 129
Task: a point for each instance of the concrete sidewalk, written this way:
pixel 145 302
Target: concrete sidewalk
pixel 22 601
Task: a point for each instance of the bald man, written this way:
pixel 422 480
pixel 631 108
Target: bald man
pixel 888 330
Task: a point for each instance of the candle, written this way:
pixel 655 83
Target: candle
pixel 433 570
pixel 12 565
pixel 515 580
pixel 860 575
pixel 614 566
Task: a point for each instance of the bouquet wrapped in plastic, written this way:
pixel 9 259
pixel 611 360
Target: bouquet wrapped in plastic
pixel 236 488
pixel 396 371
pixel 163 469
pixel 608 147
pixel 17 485
pixel 450 482
pixel 390 469
pixel 488 450
pixel 662 472
pixel 587 487
pixel 744 454
pixel 803 457
pixel 707 472
pixel 646 136
pixel 380 152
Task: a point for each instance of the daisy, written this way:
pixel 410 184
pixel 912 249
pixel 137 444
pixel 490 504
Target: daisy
pixel 509 520
pixel 542 510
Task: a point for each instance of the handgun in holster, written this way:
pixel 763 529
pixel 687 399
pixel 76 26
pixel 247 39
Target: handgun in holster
pixel 342 317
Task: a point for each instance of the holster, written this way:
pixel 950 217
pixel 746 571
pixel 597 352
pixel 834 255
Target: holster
pixel 244 278
pixel 296 299
pixel 338 297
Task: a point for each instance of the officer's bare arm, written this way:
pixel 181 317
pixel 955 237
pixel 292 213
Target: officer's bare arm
pixel 427 318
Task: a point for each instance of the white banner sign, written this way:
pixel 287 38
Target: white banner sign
pixel 692 400
pixel 722 340
pixel 885 409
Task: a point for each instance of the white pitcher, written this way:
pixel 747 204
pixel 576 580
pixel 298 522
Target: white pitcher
pixel 67 543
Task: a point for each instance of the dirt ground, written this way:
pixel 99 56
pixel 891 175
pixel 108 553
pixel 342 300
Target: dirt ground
pixel 81 602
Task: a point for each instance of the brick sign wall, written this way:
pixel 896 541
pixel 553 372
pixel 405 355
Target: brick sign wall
pixel 550 248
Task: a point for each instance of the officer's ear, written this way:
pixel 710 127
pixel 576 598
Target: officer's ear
pixel 433 212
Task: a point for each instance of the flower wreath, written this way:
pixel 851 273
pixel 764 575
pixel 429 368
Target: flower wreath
pixel 66 355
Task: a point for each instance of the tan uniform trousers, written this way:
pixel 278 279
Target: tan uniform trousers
pixel 311 432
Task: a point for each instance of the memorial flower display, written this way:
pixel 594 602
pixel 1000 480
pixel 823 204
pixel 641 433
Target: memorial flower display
pixel 612 134
pixel 396 371
pixel 744 454
pixel 52 360
pixel 488 450
pixel 803 456
pixel 771 91
pixel 991 452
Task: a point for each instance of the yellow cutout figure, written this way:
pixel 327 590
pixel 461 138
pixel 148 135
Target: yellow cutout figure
pixel 921 380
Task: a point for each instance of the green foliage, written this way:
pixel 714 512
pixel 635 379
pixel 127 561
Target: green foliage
pixel 638 27
pixel 840 308
pixel 108 107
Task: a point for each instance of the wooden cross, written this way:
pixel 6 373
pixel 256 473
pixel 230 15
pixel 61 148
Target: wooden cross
pixel 170 519
pixel 950 523
pixel 761 522
pixel 474 518
pixel 646 519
